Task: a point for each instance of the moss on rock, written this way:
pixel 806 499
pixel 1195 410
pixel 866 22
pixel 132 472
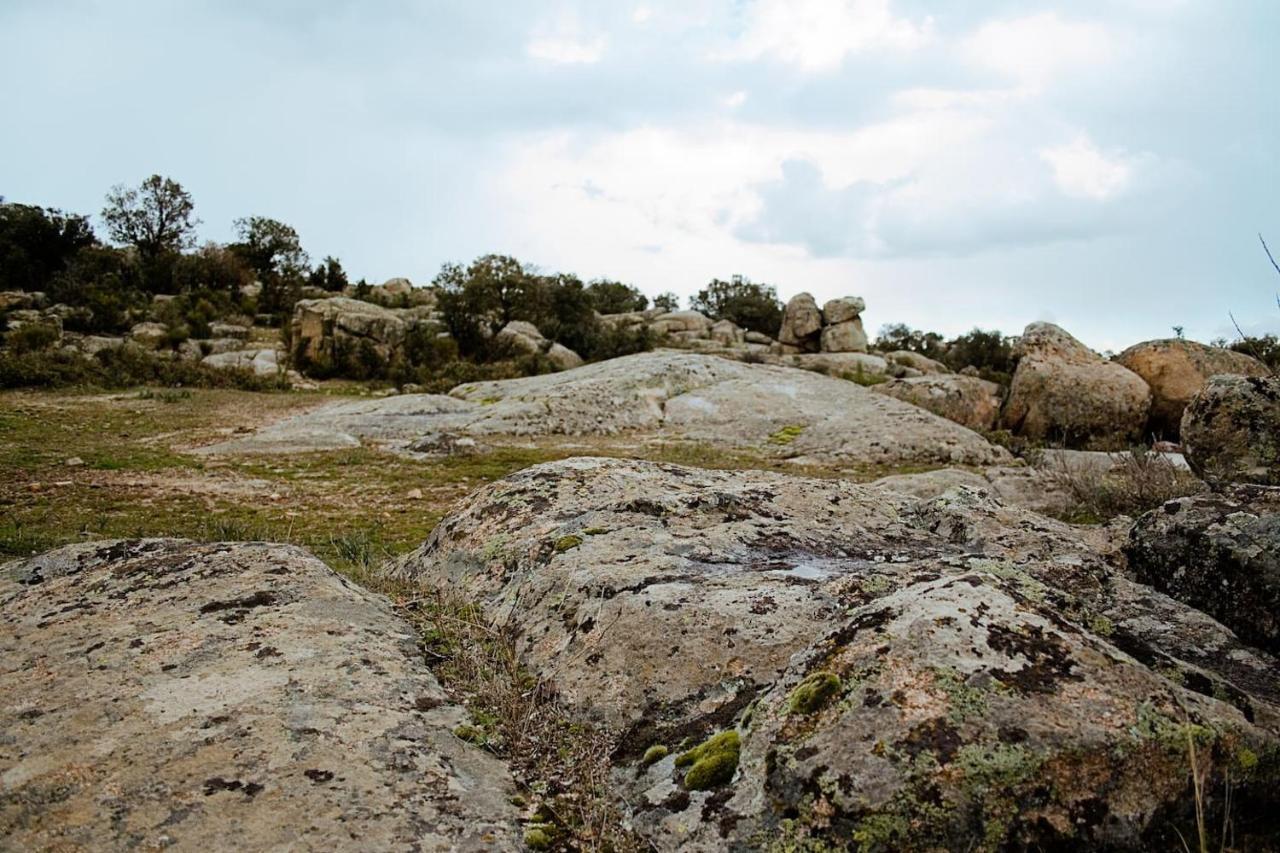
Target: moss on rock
pixel 654 754
pixel 566 543
pixel 711 763
pixel 814 692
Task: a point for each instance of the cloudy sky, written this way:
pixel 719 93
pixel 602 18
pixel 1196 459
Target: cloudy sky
pixel 1104 165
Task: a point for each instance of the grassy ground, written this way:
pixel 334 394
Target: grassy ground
pixel 75 467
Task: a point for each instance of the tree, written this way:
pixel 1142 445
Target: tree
pixel 751 305
pixel 156 218
pixel 37 243
pixel 899 336
pixel 274 252
pixel 990 352
pixel 666 302
pixel 476 301
pixel 329 275
pixel 614 297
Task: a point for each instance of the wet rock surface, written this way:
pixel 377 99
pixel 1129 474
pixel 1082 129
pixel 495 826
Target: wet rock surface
pixel 773 410
pixel 951 673
pixel 164 694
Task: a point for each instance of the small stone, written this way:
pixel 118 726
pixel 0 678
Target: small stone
pixel 73 462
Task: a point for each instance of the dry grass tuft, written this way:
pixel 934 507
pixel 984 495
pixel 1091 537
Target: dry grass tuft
pixel 1138 481
pixel 559 759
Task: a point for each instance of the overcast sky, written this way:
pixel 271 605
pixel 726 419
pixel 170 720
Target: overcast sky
pixel 1104 165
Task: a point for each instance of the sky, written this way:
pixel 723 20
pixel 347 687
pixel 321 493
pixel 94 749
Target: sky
pixel 1103 164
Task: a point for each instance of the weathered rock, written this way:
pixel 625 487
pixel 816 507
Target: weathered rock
pixel 94 344
pixel 676 322
pixel 916 361
pixel 525 338
pixel 842 309
pixel 972 402
pixel 264 362
pixel 843 364
pixel 1063 391
pixel 322 328
pixel 1176 369
pixel 727 333
pixel 773 411
pixel 931 484
pixel 1231 430
pixel 844 337
pixel 149 335
pixel 758 338
pixel 1219 553
pixel 165 694
pixel 952 673
pixel 801 323
pixel 228 330
pixel 19 300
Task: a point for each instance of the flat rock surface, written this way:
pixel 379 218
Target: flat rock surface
pixel 774 410
pixel 164 694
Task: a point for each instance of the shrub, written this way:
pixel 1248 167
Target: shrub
pixel 990 352
pixel 123 367
pixel 753 306
pixel 614 297
pixel 899 336
pixel 105 281
pixel 31 337
pixel 667 302
pixel 1139 481
pixel 36 243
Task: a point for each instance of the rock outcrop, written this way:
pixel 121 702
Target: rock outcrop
pixel 1219 553
pixel 772 411
pixel 324 328
pixel 967 400
pixel 166 694
pixel 836 328
pixel 1063 391
pixel 525 338
pixel 801 329
pixel 1231 430
pixel 828 663
pixel 1176 369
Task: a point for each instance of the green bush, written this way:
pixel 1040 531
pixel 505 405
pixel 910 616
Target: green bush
pixel 750 305
pixel 31 337
pixel 123 367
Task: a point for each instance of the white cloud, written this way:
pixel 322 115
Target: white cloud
pixel 735 100
pixel 641 14
pixel 817 35
pixel 1081 170
pixel 566 42
pixel 1034 49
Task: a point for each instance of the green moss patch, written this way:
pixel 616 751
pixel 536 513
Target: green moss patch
pixel 787 434
pixel 567 543
pixel 654 754
pixel 814 692
pixel 712 763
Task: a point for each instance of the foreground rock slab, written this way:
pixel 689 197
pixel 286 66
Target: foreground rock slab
pixel 859 667
pixel 776 411
pixel 163 694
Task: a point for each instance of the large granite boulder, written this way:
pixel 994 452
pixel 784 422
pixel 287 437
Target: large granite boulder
pixel 1219 553
pixel 1063 391
pixel 324 328
pixel 801 328
pixel 263 361
pixel 1231 430
pixel 967 400
pixel 1176 369
pixel 525 338
pixel 836 666
pixel 166 694
pixel 844 337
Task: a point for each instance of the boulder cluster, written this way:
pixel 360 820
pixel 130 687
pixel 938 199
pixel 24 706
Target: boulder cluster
pixel 836 327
